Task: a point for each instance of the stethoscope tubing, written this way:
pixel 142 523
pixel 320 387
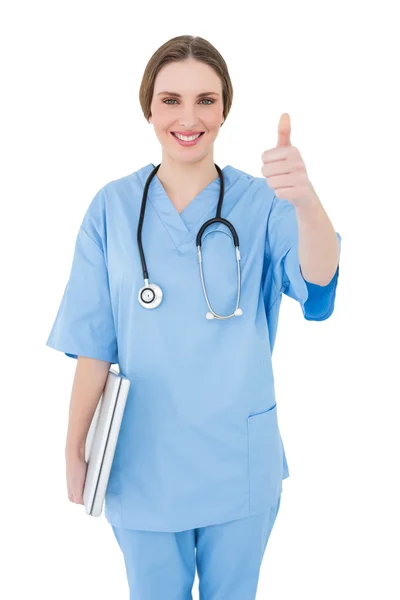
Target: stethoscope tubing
pixel 150 295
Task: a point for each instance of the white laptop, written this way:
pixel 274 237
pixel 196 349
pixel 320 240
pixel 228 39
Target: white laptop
pixel 102 440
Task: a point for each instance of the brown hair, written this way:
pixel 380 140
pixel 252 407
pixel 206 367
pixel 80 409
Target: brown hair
pixel 178 49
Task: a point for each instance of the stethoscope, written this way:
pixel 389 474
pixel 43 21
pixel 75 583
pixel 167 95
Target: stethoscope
pixel 150 295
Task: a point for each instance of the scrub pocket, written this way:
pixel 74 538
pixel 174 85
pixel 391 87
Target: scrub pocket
pixel 265 460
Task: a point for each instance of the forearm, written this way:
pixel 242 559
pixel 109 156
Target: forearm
pixel 89 381
pixel 318 244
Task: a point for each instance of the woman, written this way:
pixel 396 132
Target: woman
pixel 197 473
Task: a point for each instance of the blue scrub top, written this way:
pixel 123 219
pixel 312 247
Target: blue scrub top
pixel 199 442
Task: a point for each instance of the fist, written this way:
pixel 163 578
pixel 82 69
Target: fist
pixel 285 171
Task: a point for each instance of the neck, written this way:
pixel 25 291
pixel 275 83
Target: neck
pixel 181 178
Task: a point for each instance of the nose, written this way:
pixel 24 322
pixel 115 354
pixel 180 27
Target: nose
pixel 188 119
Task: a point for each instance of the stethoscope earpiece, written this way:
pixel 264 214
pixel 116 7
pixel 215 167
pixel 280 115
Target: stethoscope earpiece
pixel 237 313
pixel 150 295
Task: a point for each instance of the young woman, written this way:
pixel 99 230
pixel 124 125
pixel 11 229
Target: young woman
pixel 190 315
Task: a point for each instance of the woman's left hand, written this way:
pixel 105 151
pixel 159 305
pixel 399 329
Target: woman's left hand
pixel 285 171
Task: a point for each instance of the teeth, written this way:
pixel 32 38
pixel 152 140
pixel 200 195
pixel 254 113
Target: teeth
pixel 187 139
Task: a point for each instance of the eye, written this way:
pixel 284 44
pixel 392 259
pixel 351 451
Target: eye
pixel 201 100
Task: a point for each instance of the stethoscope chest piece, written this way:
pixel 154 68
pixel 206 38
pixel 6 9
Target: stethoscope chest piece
pixel 150 295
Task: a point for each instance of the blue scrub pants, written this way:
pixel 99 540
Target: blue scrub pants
pixel 228 556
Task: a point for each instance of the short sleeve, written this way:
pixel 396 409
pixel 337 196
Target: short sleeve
pixel 317 302
pixel 84 324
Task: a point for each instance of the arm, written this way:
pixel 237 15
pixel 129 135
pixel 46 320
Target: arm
pixel 88 385
pixel 302 278
pixel 318 244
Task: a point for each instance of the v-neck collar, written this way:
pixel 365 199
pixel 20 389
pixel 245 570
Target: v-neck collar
pixel 183 226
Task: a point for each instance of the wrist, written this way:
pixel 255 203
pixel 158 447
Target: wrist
pixel 75 449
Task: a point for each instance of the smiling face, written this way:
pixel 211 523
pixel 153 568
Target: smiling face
pixel 196 110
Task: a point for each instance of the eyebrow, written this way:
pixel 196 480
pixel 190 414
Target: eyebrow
pixel 198 95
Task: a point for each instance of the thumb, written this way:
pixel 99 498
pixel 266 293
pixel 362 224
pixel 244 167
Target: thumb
pixel 284 130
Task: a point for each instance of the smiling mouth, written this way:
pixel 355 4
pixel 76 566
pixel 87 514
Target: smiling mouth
pixel 180 138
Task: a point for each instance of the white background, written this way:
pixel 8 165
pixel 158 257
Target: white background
pixel 70 123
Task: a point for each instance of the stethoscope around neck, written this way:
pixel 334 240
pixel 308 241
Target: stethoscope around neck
pixel 151 295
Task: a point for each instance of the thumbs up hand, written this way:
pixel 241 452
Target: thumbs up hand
pixel 285 171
